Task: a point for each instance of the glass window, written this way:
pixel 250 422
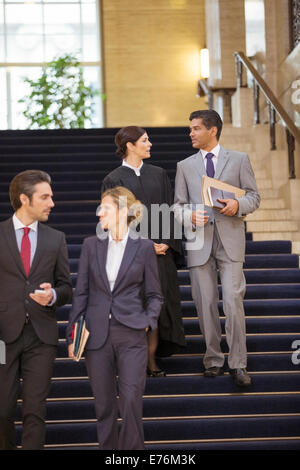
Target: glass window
pixel 65 14
pixel 21 48
pixel 2 49
pixel 3 103
pixel 60 43
pixel 35 32
pixel 19 15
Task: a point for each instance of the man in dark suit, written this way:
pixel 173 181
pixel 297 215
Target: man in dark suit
pixel 34 280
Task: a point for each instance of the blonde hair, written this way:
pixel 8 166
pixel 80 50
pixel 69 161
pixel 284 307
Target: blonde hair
pixel 122 197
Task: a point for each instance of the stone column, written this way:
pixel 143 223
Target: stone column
pixel 225 33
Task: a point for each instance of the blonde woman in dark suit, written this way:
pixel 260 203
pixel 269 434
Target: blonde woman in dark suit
pixel 112 272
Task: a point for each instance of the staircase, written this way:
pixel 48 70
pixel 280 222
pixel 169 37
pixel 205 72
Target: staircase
pixel 183 411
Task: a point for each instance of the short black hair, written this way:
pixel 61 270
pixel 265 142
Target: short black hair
pixel 210 118
pixel 24 183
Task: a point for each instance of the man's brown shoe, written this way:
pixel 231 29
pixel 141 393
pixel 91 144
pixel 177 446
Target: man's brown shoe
pixel 240 377
pixel 213 372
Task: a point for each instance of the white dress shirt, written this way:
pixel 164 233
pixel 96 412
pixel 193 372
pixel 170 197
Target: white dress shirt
pixel 135 169
pixel 114 258
pixel 32 235
pixel 215 151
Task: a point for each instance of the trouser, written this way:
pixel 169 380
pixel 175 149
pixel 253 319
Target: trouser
pixel 124 354
pixel 30 359
pixel 204 280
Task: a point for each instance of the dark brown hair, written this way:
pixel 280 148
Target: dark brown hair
pixel 125 135
pixel 24 183
pixel 210 118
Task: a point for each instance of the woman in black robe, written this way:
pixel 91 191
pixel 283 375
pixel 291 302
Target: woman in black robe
pixel 151 185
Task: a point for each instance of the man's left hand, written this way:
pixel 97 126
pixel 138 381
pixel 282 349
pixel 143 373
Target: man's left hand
pixel 231 208
pixel 43 299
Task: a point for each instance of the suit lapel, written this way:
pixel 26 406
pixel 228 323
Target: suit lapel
pixel 102 246
pixel 129 254
pixel 199 164
pixel 13 246
pixel 222 160
pixel 40 247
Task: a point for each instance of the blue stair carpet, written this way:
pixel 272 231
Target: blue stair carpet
pixel 185 410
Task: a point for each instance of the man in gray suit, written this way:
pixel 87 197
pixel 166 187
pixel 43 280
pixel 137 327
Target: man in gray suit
pixel 223 234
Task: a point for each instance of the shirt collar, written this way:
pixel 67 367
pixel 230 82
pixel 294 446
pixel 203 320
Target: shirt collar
pixel 215 151
pixel 134 168
pixel 122 242
pixel 19 225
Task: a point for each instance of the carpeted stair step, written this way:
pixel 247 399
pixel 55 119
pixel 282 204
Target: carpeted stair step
pixel 79 237
pixel 257 276
pixel 253 307
pixel 251 262
pixel 249 444
pixel 284 324
pixel 280 247
pixel 185 384
pixel 197 405
pixel 186 428
pixel 259 324
pixel 255 343
pixel 55 164
pixel 258 291
pixel 180 147
pixel 191 364
pixel 279 444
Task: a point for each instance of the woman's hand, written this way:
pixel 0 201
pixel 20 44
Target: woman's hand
pixel 71 351
pixel 161 248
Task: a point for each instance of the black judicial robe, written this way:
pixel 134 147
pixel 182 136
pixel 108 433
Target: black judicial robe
pixel 153 187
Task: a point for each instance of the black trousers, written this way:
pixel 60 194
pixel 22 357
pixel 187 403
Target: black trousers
pixel 30 359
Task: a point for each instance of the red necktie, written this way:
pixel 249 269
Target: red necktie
pixel 25 251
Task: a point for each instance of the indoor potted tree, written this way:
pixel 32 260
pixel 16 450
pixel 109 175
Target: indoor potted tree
pixel 59 98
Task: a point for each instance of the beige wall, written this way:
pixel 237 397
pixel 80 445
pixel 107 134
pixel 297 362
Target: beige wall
pixel 225 24
pixel 151 60
pixel 277 40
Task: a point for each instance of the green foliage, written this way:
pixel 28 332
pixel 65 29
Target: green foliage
pixel 59 98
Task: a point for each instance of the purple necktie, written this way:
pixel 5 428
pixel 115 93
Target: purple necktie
pixel 210 169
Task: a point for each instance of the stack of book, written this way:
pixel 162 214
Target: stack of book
pixel 80 337
pixel 213 190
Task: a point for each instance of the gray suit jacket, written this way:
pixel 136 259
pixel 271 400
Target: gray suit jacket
pixel 94 299
pixel 233 168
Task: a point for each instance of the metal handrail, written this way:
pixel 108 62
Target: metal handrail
pixel 292 132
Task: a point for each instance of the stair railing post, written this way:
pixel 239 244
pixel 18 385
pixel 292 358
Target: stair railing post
pixel 291 149
pixel 272 121
pixel 210 97
pixel 256 102
pixel 239 71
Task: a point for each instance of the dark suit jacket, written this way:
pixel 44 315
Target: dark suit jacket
pixel 94 299
pixel 50 264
